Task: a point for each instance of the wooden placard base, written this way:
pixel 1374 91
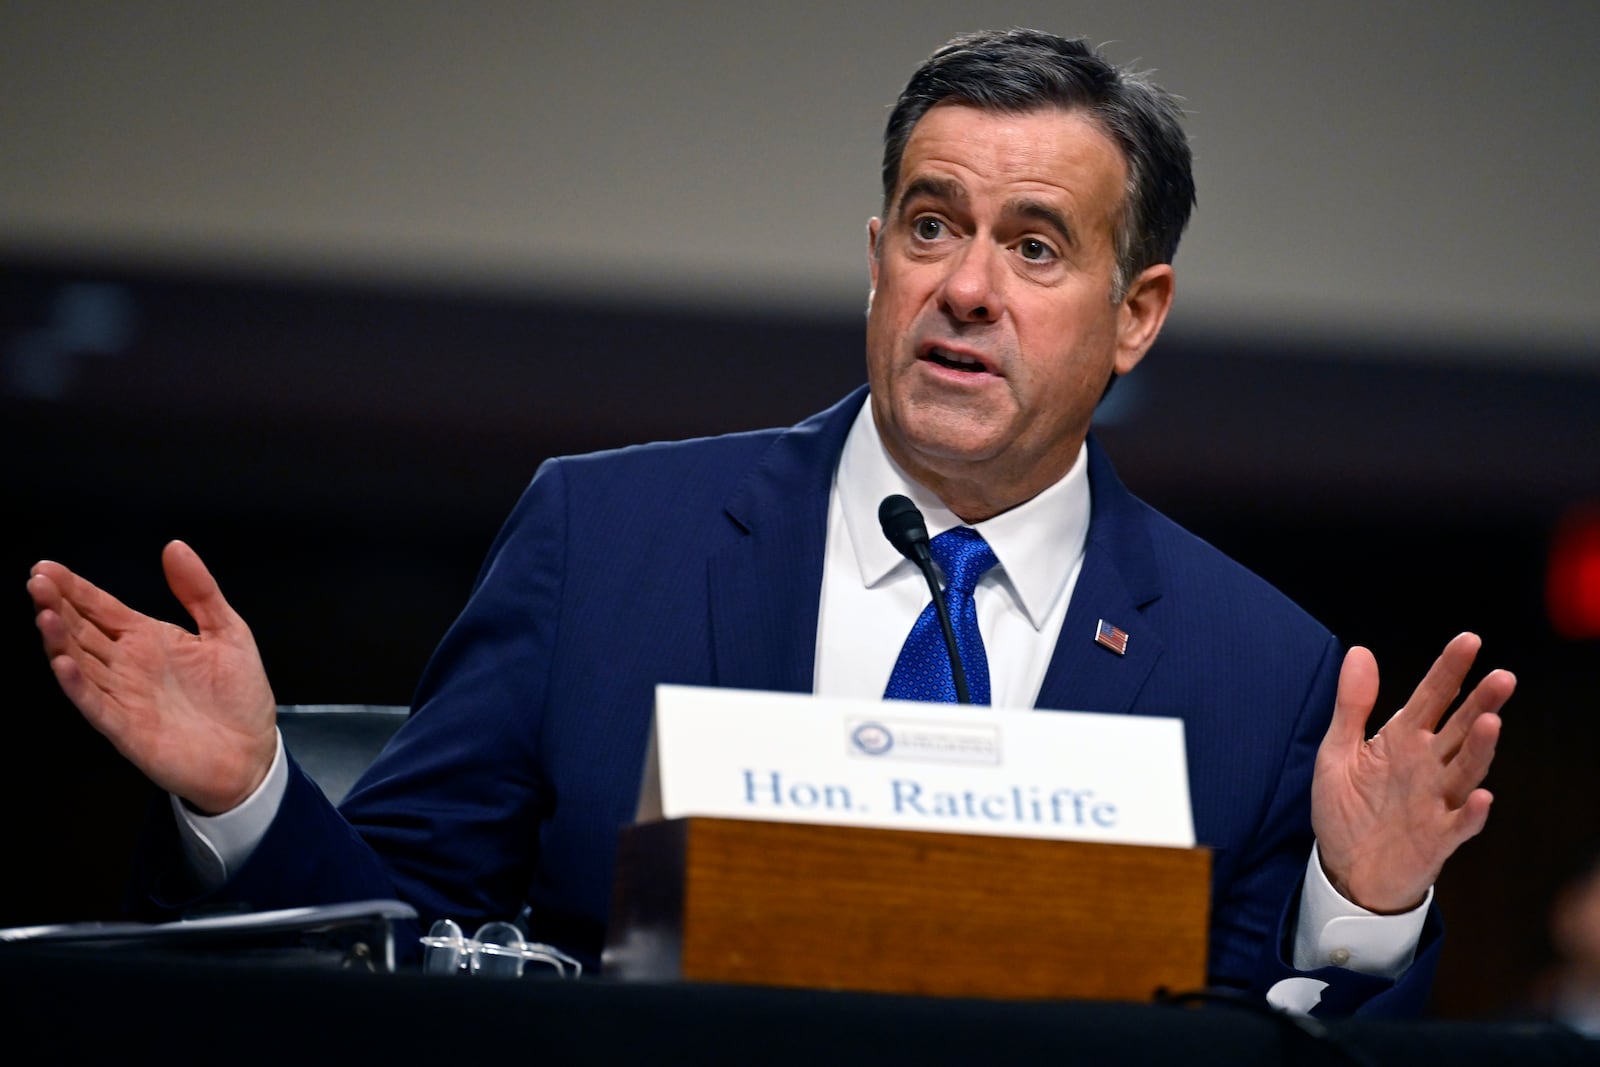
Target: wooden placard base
pixel 896 911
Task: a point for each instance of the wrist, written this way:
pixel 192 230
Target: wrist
pixel 1376 895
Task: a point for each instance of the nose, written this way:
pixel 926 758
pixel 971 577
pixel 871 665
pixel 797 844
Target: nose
pixel 971 291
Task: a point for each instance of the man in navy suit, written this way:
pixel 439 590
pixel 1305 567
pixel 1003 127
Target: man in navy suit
pixel 1034 198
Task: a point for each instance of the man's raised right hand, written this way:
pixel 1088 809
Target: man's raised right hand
pixel 193 711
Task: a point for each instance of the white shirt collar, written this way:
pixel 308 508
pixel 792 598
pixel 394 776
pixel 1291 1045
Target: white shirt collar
pixel 1038 543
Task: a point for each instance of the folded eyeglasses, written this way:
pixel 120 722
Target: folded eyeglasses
pixel 498 949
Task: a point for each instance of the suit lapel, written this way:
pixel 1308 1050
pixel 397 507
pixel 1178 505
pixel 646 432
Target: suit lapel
pixel 766 585
pixel 1118 581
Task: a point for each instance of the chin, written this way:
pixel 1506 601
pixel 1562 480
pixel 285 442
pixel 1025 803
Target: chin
pixel 944 446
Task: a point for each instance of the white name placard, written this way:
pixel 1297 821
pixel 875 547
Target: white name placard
pixel 784 757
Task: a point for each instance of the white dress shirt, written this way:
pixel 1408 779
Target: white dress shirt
pixel 871 594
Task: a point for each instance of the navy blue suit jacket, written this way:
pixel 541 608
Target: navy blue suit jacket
pixel 700 563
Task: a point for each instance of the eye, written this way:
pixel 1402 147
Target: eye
pixel 1035 250
pixel 927 228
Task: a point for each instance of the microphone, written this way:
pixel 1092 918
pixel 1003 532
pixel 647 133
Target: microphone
pixel 903 525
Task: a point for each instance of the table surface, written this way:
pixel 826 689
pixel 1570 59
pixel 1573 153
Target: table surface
pixel 93 1005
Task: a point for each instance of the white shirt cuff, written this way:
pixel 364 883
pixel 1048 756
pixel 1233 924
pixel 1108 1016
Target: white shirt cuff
pixel 1334 932
pixel 216 845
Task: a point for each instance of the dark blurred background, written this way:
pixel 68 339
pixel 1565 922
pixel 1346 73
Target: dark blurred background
pixel 317 288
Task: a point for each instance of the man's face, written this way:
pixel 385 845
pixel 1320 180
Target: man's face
pixel 991 333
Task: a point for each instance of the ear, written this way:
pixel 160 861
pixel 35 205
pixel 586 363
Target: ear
pixel 1141 314
pixel 874 228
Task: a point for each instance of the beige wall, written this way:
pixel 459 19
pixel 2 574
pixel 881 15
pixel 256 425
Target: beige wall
pixel 1413 169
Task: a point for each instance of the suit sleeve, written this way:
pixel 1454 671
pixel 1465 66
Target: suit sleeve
pixel 447 818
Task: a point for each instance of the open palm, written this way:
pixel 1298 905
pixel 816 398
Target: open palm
pixel 1389 810
pixel 193 711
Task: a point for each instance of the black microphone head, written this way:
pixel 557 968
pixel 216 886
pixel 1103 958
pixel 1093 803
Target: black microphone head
pixel 904 527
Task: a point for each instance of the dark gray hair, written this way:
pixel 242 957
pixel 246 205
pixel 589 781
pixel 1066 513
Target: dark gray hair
pixel 1023 70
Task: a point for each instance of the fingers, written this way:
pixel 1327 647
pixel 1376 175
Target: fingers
pixel 47 603
pixel 1440 686
pixel 1487 697
pixel 63 625
pixel 1471 817
pixel 84 683
pixel 65 634
pixel 78 600
pixel 42 584
pixel 1466 768
pixel 69 677
pixel 191 582
pixel 82 673
pixel 1357 693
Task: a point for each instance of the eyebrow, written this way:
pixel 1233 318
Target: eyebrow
pixel 1039 211
pixel 933 189
pixel 1024 207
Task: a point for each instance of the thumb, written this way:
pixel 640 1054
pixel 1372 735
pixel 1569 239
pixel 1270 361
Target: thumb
pixel 1357 693
pixel 195 589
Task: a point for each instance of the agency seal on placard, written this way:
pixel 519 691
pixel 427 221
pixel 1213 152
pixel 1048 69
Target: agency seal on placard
pixel 872 738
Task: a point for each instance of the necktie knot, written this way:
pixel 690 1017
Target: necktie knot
pixel 964 556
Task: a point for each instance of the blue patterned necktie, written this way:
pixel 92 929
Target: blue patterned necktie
pixel 923 669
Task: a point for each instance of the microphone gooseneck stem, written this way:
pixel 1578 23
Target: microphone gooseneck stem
pixel 957 671
pixel 903 525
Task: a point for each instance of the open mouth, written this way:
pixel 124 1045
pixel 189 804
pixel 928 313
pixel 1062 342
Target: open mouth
pixel 955 361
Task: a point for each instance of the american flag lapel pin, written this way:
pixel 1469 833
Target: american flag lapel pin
pixel 1111 637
